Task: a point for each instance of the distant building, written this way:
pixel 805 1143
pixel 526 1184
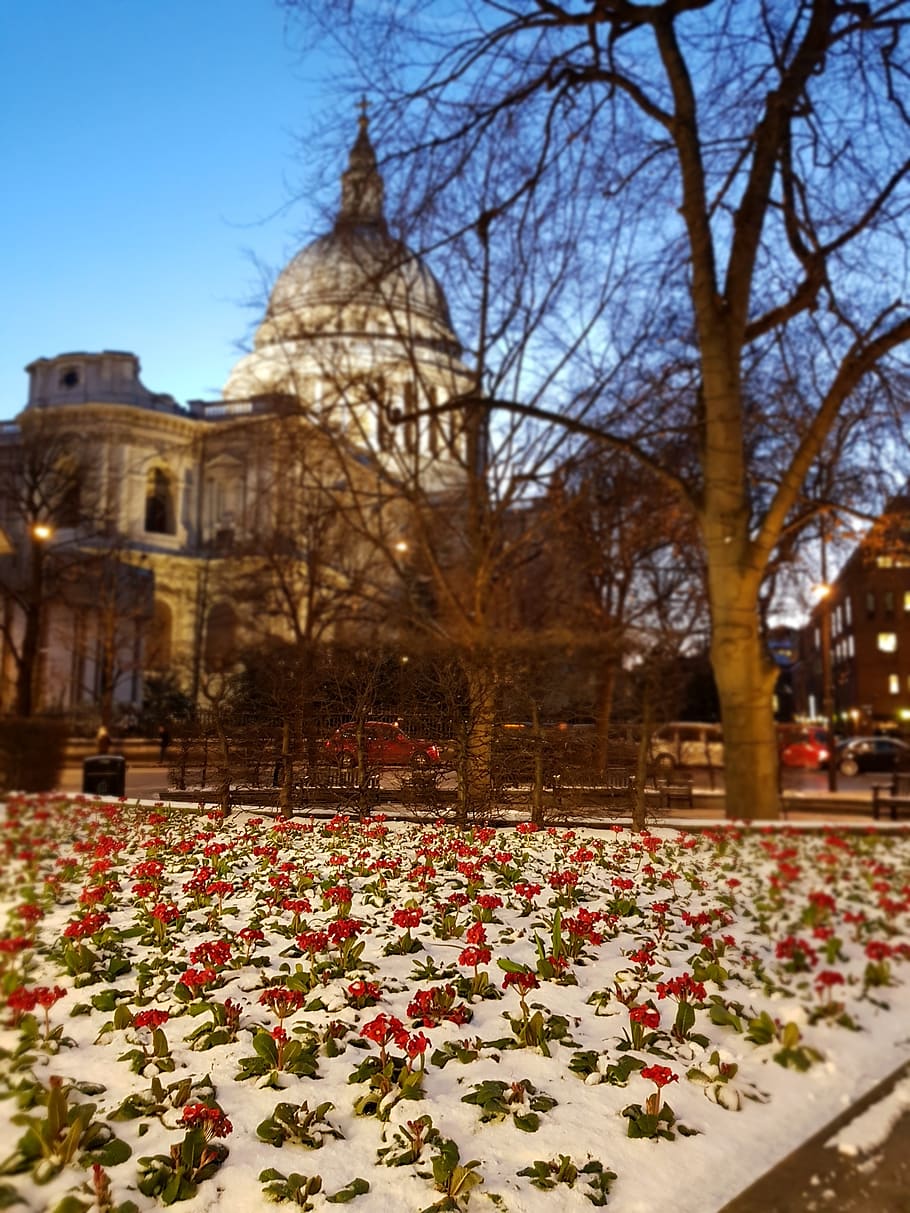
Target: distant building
pixel 869 612
pixel 211 503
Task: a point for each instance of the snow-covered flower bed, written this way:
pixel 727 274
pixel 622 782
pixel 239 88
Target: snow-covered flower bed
pixel 232 1012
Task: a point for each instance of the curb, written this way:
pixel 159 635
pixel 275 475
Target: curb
pixel 816 1176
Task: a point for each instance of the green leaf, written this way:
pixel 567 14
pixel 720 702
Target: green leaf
pixel 357 1187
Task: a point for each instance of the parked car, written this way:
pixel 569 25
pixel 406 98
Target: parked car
pixel 384 745
pixel 687 743
pixel 872 754
pixel 806 748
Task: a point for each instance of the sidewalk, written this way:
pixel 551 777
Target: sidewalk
pixel 869 1172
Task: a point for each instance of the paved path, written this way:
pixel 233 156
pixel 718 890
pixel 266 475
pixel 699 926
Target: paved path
pixel 818 1178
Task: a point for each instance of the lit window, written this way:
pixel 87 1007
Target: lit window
pixel 907 600
pixel 838 621
pixel 850 649
pixel 818 639
pixel 887 642
pixel 885 562
pixel 894 684
pixel 848 610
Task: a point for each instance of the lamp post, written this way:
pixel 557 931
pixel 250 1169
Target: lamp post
pixel 27 691
pixel 823 593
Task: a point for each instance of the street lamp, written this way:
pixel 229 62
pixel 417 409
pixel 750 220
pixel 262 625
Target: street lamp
pixel 27 692
pixel 823 594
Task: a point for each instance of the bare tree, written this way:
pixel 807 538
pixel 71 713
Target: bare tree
pixel 42 500
pixel 737 174
pixel 632 573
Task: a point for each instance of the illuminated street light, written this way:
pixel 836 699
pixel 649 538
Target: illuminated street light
pixel 41 531
pixel 822 592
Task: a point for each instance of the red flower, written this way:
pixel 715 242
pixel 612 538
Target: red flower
pixel 88 924
pixel 416 1045
pixel 212 1121
pixel 342 929
pixel 383 1029
pixel 646 1016
pixel 525 981
pixel 877 950
pixel 197 978
pixel 476 933
pixel 682 988
pixel 474 956
pixel 214 951
pixel 151 1018
pixel 282 1001
pixel 339 895
pixel 407 917
pixel 312 941
pixel 829 977
pixel 661 1076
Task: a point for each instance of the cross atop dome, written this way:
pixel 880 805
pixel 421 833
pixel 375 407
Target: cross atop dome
pixel 362 188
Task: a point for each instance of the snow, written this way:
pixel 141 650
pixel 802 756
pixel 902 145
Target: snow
pixel 774 908
pixel 868 1130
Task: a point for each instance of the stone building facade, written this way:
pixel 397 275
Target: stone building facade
pixel 275 510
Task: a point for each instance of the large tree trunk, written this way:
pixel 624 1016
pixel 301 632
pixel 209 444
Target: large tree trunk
pixel 745 677
pixel 606 692
pixel 475 790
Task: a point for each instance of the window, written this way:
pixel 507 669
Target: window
pixel 159 503
pixel 884 562
pixel 818 638
pixel 894 684
pixel 887 642
pixel 69 377
pixel 888 602
pixel 848 611
pixel 870 604
pixel 907 600
pixel 850 649
pixel 838 620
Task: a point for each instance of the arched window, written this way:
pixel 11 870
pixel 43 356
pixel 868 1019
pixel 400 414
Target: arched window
pixel 160 633
pixel 220 636
pixel 159 503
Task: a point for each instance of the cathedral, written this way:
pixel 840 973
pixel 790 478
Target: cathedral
pixel 140 535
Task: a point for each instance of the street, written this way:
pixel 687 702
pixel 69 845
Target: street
pixel 146 780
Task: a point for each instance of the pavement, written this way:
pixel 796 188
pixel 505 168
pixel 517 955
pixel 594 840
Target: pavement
pixel 818 1177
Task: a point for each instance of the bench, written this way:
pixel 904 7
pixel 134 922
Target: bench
pixel 338 784
pixel 893 796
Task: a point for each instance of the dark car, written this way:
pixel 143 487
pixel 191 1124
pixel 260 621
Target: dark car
pixel 872 754
pixel 384 745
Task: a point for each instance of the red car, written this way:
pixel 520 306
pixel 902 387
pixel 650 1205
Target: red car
pixel 384 746
pixel 807 748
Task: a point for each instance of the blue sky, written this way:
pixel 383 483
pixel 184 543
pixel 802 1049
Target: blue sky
pixel 151 149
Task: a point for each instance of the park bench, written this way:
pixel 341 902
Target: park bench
pixel 893 796
pixel 339 785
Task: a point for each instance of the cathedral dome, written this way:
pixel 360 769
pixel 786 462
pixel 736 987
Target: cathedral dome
pixel 358 280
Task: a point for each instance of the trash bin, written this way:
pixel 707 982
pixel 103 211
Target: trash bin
pixel 104 775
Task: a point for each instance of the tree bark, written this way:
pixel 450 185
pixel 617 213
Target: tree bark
pixel 745 678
